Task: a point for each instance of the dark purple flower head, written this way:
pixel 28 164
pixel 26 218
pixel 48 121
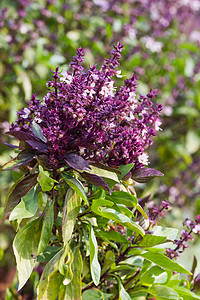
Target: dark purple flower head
pixel 84 113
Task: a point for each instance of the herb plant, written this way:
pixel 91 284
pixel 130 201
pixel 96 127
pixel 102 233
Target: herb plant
pixel 73 203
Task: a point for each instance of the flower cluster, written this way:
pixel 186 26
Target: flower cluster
pixel 84 113
pixel 186 186
pixel 158 212
pixel 194 227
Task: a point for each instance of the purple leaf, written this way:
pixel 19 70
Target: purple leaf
pixel 77 162
pixel 22 135
pixel 145 174
pixel 21 159
pixel 96 180
pixel 10 145
pixel 38 145
pixel 17 191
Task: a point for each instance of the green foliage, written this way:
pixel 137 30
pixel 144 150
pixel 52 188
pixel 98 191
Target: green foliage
pixel 82 252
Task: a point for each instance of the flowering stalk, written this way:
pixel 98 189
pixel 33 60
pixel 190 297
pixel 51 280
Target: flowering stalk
pixel 84 113
pixel 184 237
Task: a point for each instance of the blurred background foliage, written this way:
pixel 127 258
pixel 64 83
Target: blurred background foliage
pixel 161 40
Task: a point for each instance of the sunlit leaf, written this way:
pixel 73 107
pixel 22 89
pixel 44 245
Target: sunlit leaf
pixel 70 211
pixel 95 267
pixel 150 240
pixel 28 206
pixel 17 191
pixel 161 292
pixel 165 262
pixel 73 289
pixel 49 268
pixel 44 179
pixel 104 173
pixel 25 248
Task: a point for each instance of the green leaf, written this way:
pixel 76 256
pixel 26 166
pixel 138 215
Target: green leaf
pixel 170 233
pixel 125 169
pixel 76 185
pixel 185 293
pixel 21 159
pixel 65 264
pixel 101 202
pixel 49 268
pixel 108 261
pixel 54 282
pixel 165 262
pixel 154 275
pixel 108 168
pixel 17 191
pixel 120 218
pixel 140 209
pixel 104 173
pixel 28 206
pixel 73 289
pixel 121 197
pixel 25 248
pixel 46 229
pixel 38 132
pixel 93 294
pixel 70 211
pixel 48 253
pixel 161 292
pixel 113 235
pixel 98 233
pixel 123 295
pixel 150 240
pixel 46 182
pixel 95 267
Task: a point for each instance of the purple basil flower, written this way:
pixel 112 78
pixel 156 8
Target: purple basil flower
pixel 84 113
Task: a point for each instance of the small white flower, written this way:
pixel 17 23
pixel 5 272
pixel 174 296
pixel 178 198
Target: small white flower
pixel 93 84
pixel 196 228
pixel 108 89
pixel 144 132
pixel 112 125
pixel 66 77
pixel 27 113
pixel 118 74
pixel 95 77
pixel 157 125
pixel 143 159
pixel 130 117
pixel 87 93
pixel 37 120
pixel 131 97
